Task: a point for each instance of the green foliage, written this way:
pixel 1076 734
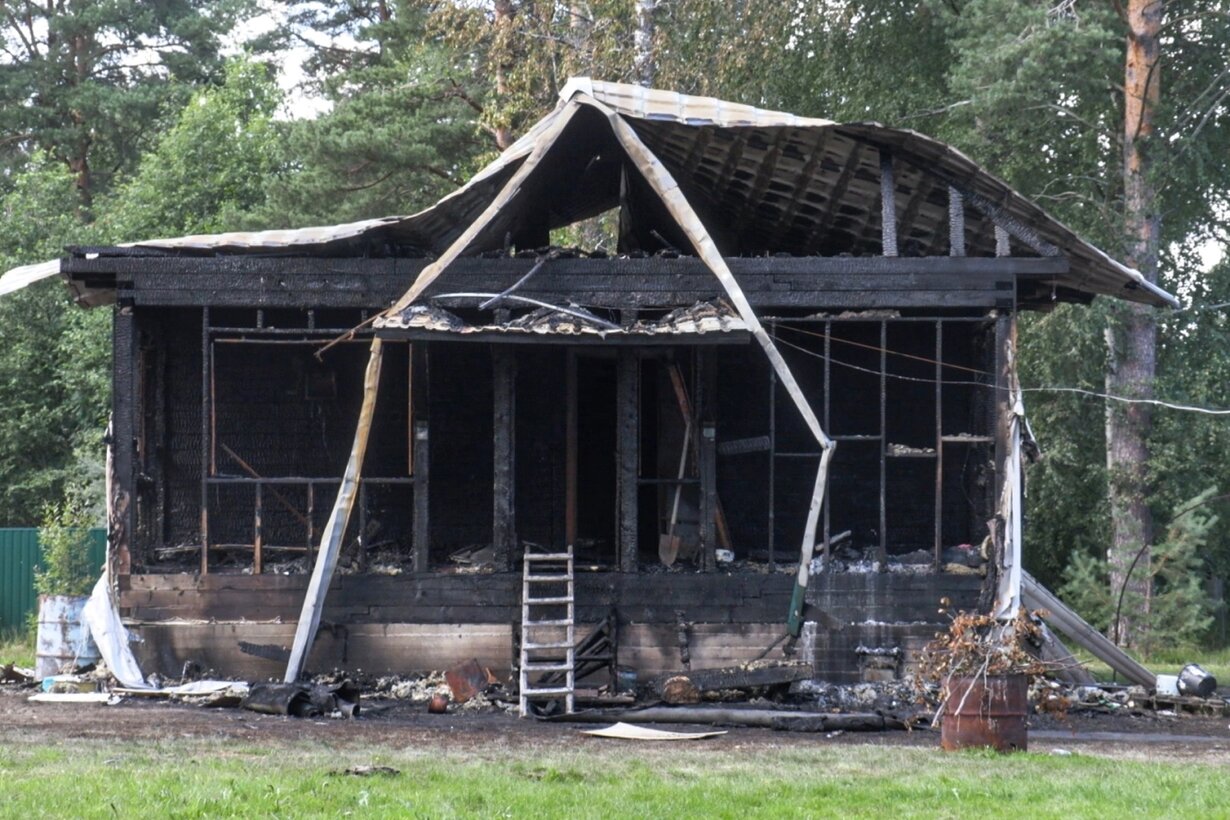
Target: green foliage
pixel 64 537
pixel 86 81
pixel 55 361
pixel 402 129
pixel 1178 612
pixel 54 392
pixel 210 169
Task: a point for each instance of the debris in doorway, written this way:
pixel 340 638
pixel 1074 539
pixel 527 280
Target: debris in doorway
pixel 679 690
pixel 905 450
pixel 686 687
pixel 474 559
pixel 11 673
pixel 304 699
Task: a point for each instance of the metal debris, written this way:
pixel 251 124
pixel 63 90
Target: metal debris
pixel 466 680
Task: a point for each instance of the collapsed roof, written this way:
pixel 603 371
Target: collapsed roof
pixel 762 182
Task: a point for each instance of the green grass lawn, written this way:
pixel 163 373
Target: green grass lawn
pixel 199 777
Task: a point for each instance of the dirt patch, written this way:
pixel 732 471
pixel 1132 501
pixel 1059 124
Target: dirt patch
pixel 398 724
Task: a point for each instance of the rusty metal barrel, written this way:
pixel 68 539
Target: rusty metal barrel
pixel 64 641
pixel 986 712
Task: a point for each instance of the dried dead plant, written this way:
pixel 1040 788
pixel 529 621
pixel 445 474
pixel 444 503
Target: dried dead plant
pixel 977 646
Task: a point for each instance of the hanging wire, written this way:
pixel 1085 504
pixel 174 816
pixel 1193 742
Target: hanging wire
pixel 1188 408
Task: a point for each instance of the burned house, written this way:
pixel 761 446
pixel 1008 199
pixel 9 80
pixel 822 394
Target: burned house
pixel 783 402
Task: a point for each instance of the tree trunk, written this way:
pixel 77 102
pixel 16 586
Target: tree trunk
pixel 1132 333
pixel 503 63
pixel 642 40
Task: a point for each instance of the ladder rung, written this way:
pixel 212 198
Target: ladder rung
pixel 545 579
pixel 547 556
pixel 528 646
pixel 559 690
pixel 562 599
pixel 553 622
pixel 554 666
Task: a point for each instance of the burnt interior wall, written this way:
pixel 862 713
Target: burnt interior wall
pixel 168 489
pixel 260 403
pixel 459 397
pixel 909 401
pixel 539 418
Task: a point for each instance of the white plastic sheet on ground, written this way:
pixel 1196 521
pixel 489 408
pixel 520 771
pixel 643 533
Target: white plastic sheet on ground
pixel 625 731
pixel 111 637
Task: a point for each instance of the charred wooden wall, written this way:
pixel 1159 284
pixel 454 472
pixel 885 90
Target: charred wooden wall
pixel 415 623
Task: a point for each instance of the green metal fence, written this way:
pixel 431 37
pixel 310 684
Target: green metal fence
pixel 19 555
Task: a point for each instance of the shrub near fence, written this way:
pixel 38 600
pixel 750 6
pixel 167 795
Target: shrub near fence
pixel 19 555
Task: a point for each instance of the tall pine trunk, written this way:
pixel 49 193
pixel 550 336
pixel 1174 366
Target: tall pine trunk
pixel 504 56
pixel 642 42
pixel 1132 333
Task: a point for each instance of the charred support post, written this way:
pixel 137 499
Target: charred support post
pixel 707 462
pixel 421 527
pixel 503 514
pixel 335 530
pixel 121 500
pixel 258 533
pixel 888 203
pixel 570 449
pixel 207 376
pixel 627 400
pixel 706 452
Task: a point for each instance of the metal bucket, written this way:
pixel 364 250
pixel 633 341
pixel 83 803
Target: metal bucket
pixel 1196 682
pixel 986 712
pixel 64 641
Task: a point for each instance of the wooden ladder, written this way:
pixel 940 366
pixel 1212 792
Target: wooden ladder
pixel 547 588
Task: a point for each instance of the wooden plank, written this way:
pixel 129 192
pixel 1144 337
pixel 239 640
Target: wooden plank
pixel 740 677
pixel 331 540
pixel 380 649
pixel 122 499
pixel 293 273
pixel 888 205
pixel 956 223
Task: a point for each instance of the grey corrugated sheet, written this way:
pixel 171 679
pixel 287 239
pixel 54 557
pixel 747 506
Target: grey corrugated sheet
pixel 19 555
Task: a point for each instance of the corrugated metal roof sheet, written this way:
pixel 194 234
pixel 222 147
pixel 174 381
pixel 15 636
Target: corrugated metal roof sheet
pixel 799 185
